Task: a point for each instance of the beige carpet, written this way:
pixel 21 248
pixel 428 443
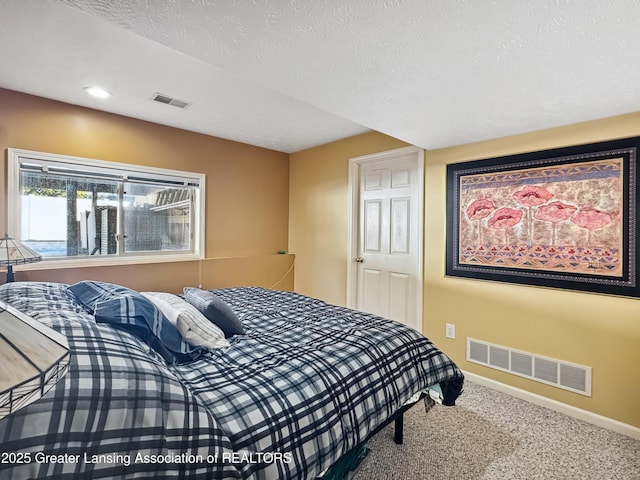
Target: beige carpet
pixel 491 435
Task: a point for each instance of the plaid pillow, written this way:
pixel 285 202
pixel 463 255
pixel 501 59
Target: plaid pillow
pixel 194 327
pixel 215 309
pixel 135 313
pixel 89 292
pixel 127 309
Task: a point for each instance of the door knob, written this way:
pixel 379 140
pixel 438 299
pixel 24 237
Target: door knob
pixel 359 260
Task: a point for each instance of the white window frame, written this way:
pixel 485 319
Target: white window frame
pixel 14 214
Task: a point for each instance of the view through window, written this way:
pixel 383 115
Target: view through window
pixel 67 207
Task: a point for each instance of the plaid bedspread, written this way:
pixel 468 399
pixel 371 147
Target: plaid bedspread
pixel 307 383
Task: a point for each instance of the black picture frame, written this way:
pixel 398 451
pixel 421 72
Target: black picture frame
pixel 560 218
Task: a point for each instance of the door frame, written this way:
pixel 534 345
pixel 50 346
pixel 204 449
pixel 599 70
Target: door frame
pixel 355 164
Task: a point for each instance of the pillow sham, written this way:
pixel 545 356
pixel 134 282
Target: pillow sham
pixel 194 327
pixel 127 309
pixel 215 309
pixel 139 315
pixel 89 292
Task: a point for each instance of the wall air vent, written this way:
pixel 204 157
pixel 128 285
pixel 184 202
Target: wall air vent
pixel 166 99
pixel 568 376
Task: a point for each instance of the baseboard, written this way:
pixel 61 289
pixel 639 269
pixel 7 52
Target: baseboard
pixel 589 417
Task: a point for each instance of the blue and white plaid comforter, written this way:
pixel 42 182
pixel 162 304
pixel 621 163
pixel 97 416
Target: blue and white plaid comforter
pixel 307 383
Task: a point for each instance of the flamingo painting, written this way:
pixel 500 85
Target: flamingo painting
pixel 556 217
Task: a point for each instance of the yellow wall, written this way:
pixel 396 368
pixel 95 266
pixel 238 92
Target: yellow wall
pixel 318 213
pixel 246 201
pixel 596 330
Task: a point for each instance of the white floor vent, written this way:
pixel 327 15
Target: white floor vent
pixel 569 376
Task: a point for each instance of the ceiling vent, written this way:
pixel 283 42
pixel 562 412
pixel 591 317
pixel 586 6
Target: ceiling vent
pixel 162 98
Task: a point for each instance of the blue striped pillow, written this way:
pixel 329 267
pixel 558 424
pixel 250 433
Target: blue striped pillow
pixel 127 309
pixel 89 292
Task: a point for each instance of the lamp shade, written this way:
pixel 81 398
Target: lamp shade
pixel 33 357
pixel 14 252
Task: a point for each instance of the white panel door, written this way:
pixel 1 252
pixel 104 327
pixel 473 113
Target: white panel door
pixel 389 237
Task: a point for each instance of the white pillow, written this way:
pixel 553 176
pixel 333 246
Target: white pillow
pixel 195 328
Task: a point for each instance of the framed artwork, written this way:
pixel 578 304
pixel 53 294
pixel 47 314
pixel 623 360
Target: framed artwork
pixel 563 218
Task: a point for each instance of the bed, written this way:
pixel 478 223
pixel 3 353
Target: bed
pixel 301 387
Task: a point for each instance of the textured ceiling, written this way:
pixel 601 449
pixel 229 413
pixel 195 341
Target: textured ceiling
pixel 291 74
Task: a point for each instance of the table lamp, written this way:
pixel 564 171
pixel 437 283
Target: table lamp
pixel 33 357
pixel 14 252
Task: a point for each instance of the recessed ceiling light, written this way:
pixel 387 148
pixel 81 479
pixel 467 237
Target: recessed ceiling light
pixel 97 92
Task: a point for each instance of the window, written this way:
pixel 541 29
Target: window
pixel 88 212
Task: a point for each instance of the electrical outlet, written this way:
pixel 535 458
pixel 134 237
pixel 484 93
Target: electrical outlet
pixel 450 330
